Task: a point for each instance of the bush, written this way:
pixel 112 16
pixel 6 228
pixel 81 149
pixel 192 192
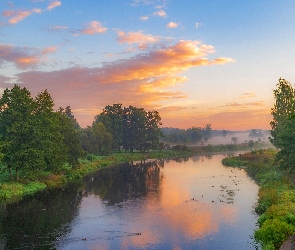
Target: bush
pixel 273 233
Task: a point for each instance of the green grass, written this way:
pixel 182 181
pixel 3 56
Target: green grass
pixel 276 203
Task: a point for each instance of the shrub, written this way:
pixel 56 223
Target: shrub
pixel 273 232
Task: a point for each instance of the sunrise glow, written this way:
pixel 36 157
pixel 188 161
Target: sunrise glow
pixel 197 62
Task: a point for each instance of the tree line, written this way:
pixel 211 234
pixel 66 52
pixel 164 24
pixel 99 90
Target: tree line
pixel 35 138
pixel 193 134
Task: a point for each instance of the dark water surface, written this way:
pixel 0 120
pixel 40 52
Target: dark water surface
pixel 194 203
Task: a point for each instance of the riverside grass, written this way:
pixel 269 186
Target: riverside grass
pixel 11 191
pixel 276 202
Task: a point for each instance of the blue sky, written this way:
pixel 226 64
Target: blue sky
pixel 194 61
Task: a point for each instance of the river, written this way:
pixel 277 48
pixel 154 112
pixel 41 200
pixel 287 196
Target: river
pixel 193 203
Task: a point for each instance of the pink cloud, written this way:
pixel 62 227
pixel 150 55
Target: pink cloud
pixel 144 80
pixel 19 16
pixel 53 5
pixel 23 57
pixel 92 28
pixel 135 37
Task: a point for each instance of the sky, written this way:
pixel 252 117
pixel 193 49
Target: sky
pixel 194 61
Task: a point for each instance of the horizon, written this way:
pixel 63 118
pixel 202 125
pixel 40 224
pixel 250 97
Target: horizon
pixel 196 63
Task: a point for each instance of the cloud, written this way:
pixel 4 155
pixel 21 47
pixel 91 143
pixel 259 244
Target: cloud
pixel 160 13
pixel 144 18
pixel 93 27
pixel 135 37
pixel 235 104
pixel 53 5
pixel 171 109
pixel 247 95
pixel 23 57
pixel 15 16
pixel 197 25
pixel 50 49
pixel 172 25
pixel 57 28
pixel 144 80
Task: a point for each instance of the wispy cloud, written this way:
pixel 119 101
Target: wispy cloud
pixel 53 5
pixel 247 95
pixel 144 18
pixel 16 16
pixel 57 28
pixel 92 28
pixel 198 25
pixel 172 25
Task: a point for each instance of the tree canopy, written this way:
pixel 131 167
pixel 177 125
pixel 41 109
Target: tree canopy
pixel 32 138
pixel 283 123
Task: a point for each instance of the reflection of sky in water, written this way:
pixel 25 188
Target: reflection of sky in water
pixel 199 204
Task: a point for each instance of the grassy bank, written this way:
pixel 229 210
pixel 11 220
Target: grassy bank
pixel 28 185
pixel 276 203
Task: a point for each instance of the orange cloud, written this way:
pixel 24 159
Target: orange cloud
pixel 92 28
pixel 53 5
pixel 144 80
pixel 135 37
pixel 172 25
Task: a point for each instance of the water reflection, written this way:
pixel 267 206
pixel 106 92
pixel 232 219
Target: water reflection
pixel 191 203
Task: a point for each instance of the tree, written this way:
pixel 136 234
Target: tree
pixel 283 123
pixel 112 118
pixel 19 143
pixel 49 133
pixel 68 129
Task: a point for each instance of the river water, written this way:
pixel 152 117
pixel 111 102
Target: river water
pixel 193 203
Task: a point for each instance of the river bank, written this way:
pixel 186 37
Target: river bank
pixel 276 202
pixel 11 191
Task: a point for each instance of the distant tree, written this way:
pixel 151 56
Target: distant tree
pixel 224 133
pixel 251 143
pixel 234 139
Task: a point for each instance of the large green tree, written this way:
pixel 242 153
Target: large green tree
pixel 111 117
pixel 33 136
pixel 68 129
pixel 283 123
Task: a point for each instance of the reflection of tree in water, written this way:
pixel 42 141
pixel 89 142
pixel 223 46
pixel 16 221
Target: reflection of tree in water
pixel 126 181
pixel 39 221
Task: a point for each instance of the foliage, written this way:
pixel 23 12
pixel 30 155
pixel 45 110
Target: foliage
pixel 274 232
pixel 283 123
pixel 276 204
pixel 131 128
pixel 34 138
